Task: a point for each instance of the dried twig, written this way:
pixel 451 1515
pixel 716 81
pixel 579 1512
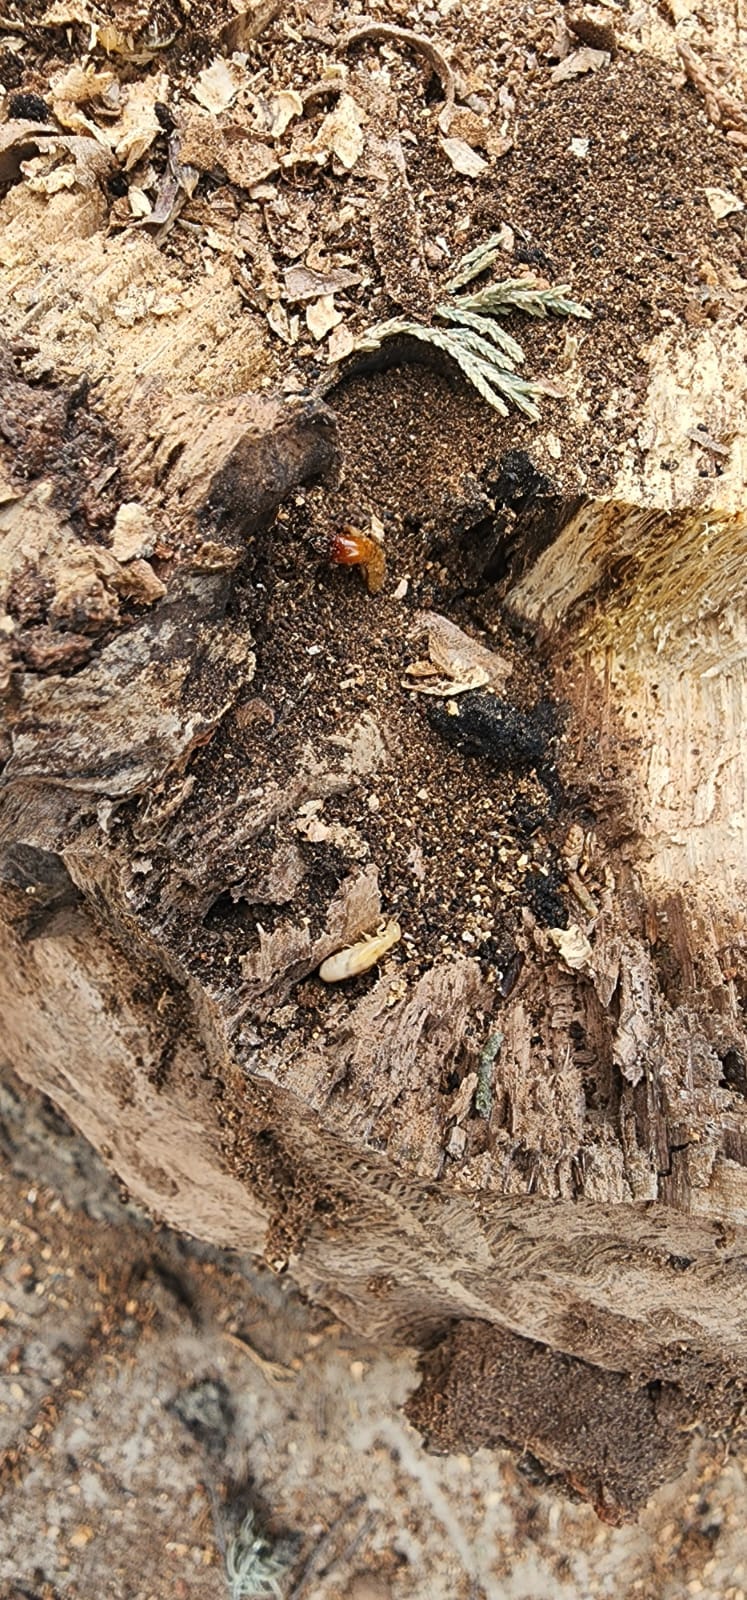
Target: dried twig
pixel 385 31
pixel 320 1549
pixel 272 1370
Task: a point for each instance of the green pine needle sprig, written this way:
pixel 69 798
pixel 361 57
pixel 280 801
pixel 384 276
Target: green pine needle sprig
pixel 475 341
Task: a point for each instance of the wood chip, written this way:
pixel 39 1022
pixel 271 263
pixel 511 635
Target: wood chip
pixel 340 132
pixel 322 315
pixel 573 947
pixel 274 112
pixel 217 86
pixel 341 344
pixel 723 203
pixel 578 63
pixel 463 158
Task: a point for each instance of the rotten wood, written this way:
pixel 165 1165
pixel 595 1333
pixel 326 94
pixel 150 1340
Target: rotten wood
pixel 545 1144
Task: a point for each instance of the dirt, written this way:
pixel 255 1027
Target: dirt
pixel 138 1427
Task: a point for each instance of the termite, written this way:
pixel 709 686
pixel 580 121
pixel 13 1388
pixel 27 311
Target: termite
pixel 351 548
pixel 361 956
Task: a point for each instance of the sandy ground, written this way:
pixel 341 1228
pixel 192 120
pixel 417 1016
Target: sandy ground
pixel 154 1391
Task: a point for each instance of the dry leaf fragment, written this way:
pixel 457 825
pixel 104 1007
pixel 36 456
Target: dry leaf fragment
pixel 217 86
pixel 463 158
pixel 340 132
pixel 322 315
pixel 177 184
pixel 723 203
pixel 579 62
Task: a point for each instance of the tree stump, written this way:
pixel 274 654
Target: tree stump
pixel 519 1140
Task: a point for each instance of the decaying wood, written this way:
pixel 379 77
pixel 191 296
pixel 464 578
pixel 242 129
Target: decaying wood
pixel 557 1156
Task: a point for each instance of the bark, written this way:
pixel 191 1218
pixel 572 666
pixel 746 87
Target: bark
pixel 572 1194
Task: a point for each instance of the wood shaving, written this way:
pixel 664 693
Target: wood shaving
pixel 252 17
pixel 217 86
pixel 456 662
pixel 340 133
pixel 275 111
pixel 80 84
pixel 140 205
pixel 322 315
pixel 578 63
pixel 386 33
pixel 341 344
pixel 67 161
pixel 723 203
pixel 19 141
pixel 723 109
pixel 138 126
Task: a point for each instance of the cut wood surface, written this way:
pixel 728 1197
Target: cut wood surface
pixel 220 767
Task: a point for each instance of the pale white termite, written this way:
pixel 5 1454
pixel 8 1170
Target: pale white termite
pixel 359 957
